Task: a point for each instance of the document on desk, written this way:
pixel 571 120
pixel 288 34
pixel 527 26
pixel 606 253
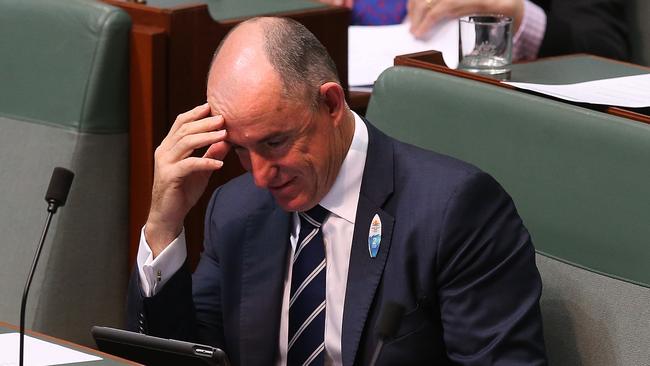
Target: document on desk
pixel 38 352
pixel 372 49
pixel 627 91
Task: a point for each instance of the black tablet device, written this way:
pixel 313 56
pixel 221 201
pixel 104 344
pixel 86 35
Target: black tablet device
pixel 154 351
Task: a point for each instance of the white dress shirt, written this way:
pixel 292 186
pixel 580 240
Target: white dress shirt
pixel 338 228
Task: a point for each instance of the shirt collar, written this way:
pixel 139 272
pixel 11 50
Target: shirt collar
pixel 343 198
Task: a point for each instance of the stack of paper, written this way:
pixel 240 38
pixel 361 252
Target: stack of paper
pixel 372 49
pixel 627 91
pixel 38 352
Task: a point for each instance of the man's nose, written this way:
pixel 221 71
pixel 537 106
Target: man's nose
pixel 262 169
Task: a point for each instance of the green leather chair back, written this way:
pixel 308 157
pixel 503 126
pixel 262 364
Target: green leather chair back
pixel 64 102
pixel 238 9
pixel 579 180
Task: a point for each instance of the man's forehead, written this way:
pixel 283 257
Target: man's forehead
pixel 237 102
pixel 245 97
pixel 246 134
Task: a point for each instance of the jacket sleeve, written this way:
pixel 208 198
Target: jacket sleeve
pixel 188 306
pixel 488 283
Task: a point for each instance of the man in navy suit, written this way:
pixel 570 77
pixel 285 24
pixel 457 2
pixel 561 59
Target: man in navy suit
pixel 449 245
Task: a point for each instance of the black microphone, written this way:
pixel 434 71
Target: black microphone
pixel 57 191
pixel 57 194
pixel 389 321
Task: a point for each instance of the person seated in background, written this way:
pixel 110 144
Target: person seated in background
pixel 333 221
pixel 542 27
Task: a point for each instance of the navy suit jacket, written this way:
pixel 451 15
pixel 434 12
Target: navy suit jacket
pixel 453 251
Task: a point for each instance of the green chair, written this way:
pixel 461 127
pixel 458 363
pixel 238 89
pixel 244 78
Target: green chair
pixel 579 179
pixel 64 102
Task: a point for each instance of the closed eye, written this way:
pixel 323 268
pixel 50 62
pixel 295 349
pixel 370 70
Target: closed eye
pixel 276 142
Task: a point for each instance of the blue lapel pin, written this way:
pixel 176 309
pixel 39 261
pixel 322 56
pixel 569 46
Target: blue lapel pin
pixel 374 236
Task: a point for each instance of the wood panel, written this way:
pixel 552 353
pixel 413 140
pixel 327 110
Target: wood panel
pixel 147 114
pixel 432 60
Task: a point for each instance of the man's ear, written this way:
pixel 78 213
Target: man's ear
pixel 333 98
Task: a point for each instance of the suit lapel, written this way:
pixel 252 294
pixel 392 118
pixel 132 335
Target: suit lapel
pixel 365 273
pixel 263 270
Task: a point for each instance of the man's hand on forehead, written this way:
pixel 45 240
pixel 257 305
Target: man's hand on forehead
pixel 180 178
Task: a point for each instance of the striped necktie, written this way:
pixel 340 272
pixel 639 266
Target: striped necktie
pixel 307 303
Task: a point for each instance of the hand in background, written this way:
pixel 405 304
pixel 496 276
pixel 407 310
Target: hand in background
pixel 179 178
pixel 424 14
pixel 346 3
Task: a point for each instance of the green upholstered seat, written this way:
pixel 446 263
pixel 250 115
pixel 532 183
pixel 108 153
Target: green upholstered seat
pixel 579 179
pixel 64 102
pixel 238 9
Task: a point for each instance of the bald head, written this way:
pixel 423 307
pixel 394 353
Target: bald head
pixel 300 61
pixel 240 63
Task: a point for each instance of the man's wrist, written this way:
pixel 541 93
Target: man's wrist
pixel 159 236
pixel 154 273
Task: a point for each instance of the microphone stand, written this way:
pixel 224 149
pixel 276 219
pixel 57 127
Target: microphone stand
pixel 51 210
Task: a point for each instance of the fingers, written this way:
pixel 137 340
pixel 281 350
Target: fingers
pixel 188 143
pixel 415 12
pixel 346 3
pixel 217 150
pixel 193 130
pixel 190 127
pixel 424 14
pixel 191 165
pixel 191 135
pixel 426 23
pixel 333 2
pixel 514 9
pixel 194 114
pixel 173 160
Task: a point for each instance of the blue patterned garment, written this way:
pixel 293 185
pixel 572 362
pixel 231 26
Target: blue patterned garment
pixel 378 12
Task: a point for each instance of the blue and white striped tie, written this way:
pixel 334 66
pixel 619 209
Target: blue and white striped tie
pixel 307 304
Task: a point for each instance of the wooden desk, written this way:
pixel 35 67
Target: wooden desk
pixel 107 360
pixel 172 43
pixel 551 70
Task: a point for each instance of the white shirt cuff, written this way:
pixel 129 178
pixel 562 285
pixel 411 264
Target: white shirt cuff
pixel 154 273
pixel 529 36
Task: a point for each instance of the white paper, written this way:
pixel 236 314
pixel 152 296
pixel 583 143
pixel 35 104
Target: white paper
pixel 372 49
pixel 627 91
pixel 38 352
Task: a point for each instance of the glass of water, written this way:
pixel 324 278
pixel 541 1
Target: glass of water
pixel 485 44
